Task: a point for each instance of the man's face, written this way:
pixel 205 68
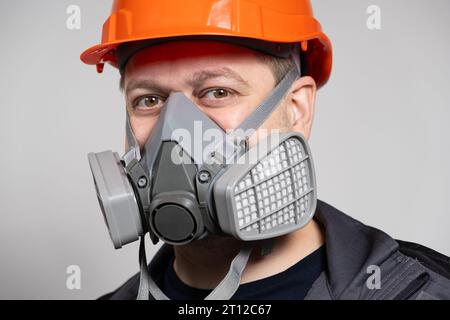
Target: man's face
pixel 226 82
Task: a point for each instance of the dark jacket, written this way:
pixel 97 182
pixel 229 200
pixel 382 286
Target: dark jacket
pixel 406 270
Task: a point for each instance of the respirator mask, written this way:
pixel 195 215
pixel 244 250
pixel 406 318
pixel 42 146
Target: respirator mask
pixel 181 187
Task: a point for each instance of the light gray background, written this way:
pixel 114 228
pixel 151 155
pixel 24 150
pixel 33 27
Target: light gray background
pixel 381 136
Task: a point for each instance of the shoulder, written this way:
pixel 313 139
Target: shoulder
pixel 406 266
pixel 127 291
pixel 344 226
pixel 436 266
pixel 429 258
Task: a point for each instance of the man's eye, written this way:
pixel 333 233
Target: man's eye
pixel 217 94
pixel 148 102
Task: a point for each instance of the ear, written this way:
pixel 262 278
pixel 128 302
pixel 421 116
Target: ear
pixel 302 105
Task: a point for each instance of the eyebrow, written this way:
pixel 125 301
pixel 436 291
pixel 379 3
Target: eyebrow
pixel 197 79
pixel 144 84
pixel 201 77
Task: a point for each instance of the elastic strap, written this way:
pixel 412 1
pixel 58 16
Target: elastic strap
pixel 264 110
pixel 144 275
pixel 224 291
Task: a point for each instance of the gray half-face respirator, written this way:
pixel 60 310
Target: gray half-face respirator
pixel 180 187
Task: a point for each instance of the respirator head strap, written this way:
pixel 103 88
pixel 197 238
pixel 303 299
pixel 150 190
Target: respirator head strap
pixel 224 291
pixel 265 109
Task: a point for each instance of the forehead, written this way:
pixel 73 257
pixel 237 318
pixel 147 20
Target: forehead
pixel 186 56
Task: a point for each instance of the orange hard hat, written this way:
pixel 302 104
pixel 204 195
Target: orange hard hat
pixel 275 21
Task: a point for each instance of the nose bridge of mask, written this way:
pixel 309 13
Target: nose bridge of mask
pixel 183 122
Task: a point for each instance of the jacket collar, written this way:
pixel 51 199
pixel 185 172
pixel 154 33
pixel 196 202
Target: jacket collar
pixel 351 247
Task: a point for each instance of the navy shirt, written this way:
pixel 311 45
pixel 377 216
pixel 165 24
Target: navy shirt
pixel 293 283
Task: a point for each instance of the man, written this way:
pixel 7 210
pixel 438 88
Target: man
pixel 258 69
